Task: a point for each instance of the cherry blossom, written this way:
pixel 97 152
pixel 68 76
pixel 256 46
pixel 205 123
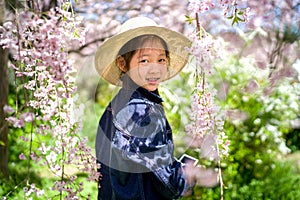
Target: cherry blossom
pixel 39 48
pixel 22 156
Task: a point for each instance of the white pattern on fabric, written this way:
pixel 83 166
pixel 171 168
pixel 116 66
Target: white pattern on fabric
pixel 145 122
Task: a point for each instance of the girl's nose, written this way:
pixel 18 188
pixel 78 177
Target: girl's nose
pixel 154 68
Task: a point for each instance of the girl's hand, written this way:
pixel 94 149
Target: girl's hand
pixel 196 175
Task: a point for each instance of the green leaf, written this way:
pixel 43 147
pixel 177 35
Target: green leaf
pixel 65 18
pixel 76 34
pixel 189 19
pixel 234 21
pixel 2 143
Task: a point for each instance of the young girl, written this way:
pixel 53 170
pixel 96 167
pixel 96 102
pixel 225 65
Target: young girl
pixel 134 142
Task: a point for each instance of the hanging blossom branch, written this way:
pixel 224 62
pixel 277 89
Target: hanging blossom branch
pixel 39 45
pixel 231 9
pixel 206 118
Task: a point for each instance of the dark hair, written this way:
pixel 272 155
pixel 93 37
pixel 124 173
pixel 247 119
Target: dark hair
pixel 129 48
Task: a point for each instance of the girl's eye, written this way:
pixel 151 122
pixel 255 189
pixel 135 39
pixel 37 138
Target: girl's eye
pixel 144 61
pixel 163 60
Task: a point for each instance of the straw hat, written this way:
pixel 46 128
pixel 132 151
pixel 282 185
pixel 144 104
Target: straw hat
pixel 107 53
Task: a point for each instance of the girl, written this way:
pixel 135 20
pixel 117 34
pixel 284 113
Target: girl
pixel 134 142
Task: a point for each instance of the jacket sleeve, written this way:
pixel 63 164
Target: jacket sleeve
pixel 170 180
pixel 142 136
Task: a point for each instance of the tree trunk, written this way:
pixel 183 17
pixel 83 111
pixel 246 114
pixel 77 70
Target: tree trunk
pixel 3 101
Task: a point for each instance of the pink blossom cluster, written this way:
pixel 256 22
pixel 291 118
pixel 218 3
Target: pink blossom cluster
pixel 39 46
pixel 229 7
pixel 201 6
pixel 69 187
pixel 227 2
pixel 21 120
pixel 196 6
pixel 32 189
pixel 206 118
pixel 202 50
pixel 202 107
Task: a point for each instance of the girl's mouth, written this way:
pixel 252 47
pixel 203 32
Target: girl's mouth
pixel 152 80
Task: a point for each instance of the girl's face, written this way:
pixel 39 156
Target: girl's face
pixel 148 66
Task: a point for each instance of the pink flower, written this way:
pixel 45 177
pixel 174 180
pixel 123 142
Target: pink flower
pixel 49 79
pixel 16 122
pixel 22 156
pixel 251 87
pixel 7 109
pixel 200 6
pixel 27 117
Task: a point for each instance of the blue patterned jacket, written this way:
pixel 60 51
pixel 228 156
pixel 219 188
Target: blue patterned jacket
pixel 134 146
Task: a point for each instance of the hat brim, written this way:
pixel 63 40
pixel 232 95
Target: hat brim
pixel 107 53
